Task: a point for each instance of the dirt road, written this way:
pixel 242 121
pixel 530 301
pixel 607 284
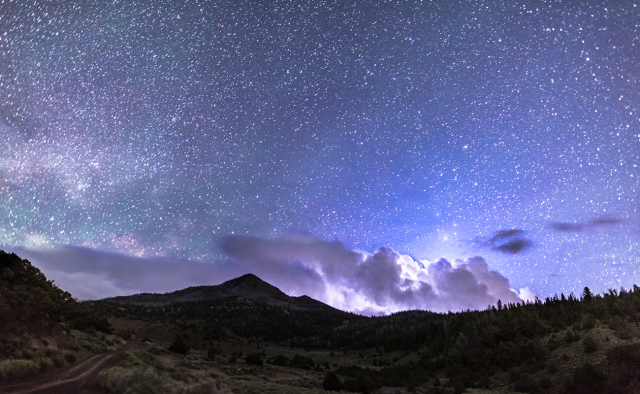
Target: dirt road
pixel 74 379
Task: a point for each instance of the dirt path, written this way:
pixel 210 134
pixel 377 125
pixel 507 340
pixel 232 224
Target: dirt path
pixel 74 379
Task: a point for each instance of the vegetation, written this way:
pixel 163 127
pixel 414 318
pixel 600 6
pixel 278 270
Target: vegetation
pixel 41 326
pixel 517 345
pixel 178 346
pixel 29 303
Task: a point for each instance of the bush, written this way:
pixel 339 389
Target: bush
pixel 70 356
pixel 331 382
pixel 589 344
pixel 588 379
pixel 141 388
pixel 124 334
pixel 588 322
pixel 625 355
pixel 178 346
pixel 212 353
pixel 45 364
pixel 18 369
pixel 280 360
pixel 58 361
pixel 253 358
pixel 526 383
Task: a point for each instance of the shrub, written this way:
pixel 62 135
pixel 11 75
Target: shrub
pixel 58 361
pixel 625 355
pixel 212 353
pixel 118 379
pixel 526 383
pixel 124 334
pixel 546 383
pixel 45 364
pixel 589 344
pixel 331 382
pixel 571 336
pixel 587 379
pixel 141 388
pixel 280 360
pixel 18 369
pixel 70 356
pixel 589 322
pixel 178 346
pixel 253 358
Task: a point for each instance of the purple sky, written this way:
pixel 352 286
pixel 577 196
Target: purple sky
pixel 337 149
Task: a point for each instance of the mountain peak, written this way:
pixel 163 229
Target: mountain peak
pixel 248 286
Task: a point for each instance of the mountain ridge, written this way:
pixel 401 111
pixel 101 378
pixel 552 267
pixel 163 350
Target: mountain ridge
pixel 249 286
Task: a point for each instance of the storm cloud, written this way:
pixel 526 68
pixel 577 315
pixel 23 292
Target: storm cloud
pixel 369 283
pixel 381 282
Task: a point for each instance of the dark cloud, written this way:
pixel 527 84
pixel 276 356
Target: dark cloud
pixel 92 274
pixel 511 241
pixel 604 221
pixel 514 246
pixel 566 227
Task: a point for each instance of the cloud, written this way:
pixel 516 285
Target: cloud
pixel 604 221
pixel 508 241
pixel 93 274
pixel 299 264
pixel 382 282
pixel 566 227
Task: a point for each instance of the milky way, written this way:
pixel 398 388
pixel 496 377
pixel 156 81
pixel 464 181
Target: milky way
pixel 507 130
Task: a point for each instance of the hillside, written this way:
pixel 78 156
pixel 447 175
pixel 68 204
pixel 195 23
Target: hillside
pixel 560 345
pixel 31 304
pixel 42 328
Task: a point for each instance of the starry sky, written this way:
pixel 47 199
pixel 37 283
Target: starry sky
pixel 202 136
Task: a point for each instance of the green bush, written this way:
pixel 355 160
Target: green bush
pixel 212 353
pixel 58 361
pixel 124 334
pixel 280 360
pixel 46 364
pixel 253 358
pixel 589 344
pixel 118 379
pixel 331 382
pixel 70 356
pixel 18 369
pixel 178 346
pixel 141 388
pixel 527 384
pixel 587 379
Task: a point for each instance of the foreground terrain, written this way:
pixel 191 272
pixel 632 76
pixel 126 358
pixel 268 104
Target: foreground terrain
pixel 246 336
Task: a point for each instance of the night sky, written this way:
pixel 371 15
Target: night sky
pixel 363 153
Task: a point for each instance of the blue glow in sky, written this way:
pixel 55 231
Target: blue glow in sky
pixel 507 130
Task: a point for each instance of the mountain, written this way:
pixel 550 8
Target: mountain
pixel 249 287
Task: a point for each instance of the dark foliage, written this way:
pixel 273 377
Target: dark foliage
pixel 29 303
pixel 467 348
pixel 178 345
pixel 332 382
pixel 253 359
